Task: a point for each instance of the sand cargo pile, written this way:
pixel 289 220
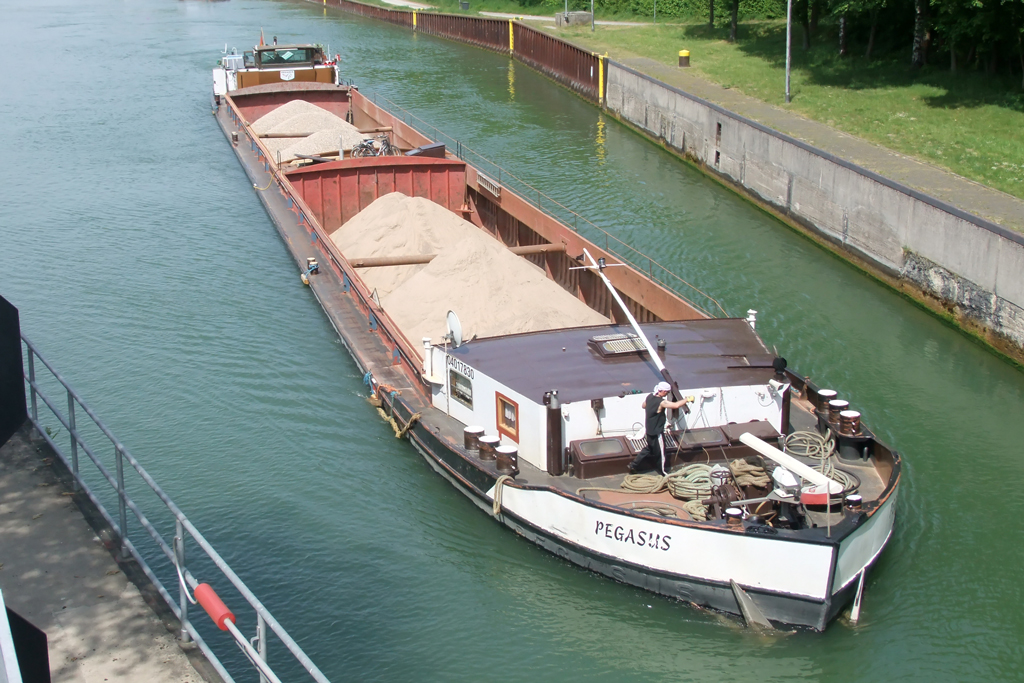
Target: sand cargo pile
pixel 464 276
pixel 303 128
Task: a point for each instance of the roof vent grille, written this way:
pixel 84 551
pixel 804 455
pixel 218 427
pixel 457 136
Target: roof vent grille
pixel 616 344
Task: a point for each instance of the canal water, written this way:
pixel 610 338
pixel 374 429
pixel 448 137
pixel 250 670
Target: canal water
pixel 145 268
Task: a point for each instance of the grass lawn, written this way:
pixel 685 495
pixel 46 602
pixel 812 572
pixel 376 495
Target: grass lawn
pixel 970 123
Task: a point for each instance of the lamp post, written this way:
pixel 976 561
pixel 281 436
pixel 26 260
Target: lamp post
pixel 789 42
pixel 591 16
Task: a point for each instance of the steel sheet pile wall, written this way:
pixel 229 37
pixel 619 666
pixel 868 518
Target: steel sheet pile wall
pixel 968 264
pixel 569 65
pixel 562 61
pixel 491 34
pixel 400 17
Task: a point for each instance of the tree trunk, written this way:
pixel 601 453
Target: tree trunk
pixel 842 35
pixel 993 64
pixel 711 15
pixel 805 21
pixel 917 56
pixel 952 55
pixel 735 20
pixel 971 54
pixel 815 15
pixel 871 36
pixel 1020 49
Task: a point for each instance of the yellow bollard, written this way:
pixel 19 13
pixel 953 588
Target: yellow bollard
pixel 684 58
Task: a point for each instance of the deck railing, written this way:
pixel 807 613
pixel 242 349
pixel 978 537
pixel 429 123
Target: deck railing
pixel 169 556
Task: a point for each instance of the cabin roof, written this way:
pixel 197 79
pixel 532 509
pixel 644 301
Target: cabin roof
pixel 714 352
pixel 304 46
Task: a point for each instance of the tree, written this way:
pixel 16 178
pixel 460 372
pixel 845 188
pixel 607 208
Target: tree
pixel 847 11
pixel 735 20
pixel 874 30
pixel 919 56
pixel 802 13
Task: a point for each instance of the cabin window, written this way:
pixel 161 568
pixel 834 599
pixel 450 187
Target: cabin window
pixel 461 388
pixel 508 417
pixel 286 56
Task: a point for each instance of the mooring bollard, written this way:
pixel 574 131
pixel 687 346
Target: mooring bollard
pixel 684 58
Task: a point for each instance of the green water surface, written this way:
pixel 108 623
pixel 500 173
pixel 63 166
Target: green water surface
pixel 145 267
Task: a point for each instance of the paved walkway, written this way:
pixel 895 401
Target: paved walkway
pixel 547 17
pixel 975 198
pixel 407 3
pixel 56 573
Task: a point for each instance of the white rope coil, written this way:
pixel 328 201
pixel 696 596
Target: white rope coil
pixel 820 447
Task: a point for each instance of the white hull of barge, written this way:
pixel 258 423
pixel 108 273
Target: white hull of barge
pixel 804 578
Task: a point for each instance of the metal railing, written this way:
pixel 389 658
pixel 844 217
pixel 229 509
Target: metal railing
pixel 596 234
pixel 254 649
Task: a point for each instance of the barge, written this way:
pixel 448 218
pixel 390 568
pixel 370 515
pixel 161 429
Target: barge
pixel 776 500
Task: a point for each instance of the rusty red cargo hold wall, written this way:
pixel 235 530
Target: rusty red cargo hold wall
pixel 335 192
pixel 566 63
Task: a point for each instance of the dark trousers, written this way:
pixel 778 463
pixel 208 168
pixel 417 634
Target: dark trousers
pixel 651 456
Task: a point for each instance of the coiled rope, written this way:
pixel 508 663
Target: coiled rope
pixel 747 474
pixel 820 447
pixel 690 484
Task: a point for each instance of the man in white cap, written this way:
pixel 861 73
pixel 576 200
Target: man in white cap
pixel 655 406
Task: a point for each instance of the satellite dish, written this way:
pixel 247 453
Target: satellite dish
pixel 454 329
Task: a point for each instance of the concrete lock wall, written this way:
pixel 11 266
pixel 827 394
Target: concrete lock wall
pixel 971 266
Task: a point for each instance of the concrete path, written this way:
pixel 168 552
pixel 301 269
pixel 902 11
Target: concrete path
pixel 551 18
pixel 57 573
pixel 968 195
pixel 407 3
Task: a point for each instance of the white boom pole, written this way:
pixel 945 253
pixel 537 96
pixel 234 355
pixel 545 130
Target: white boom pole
pixel 790 463
pixel 629 316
